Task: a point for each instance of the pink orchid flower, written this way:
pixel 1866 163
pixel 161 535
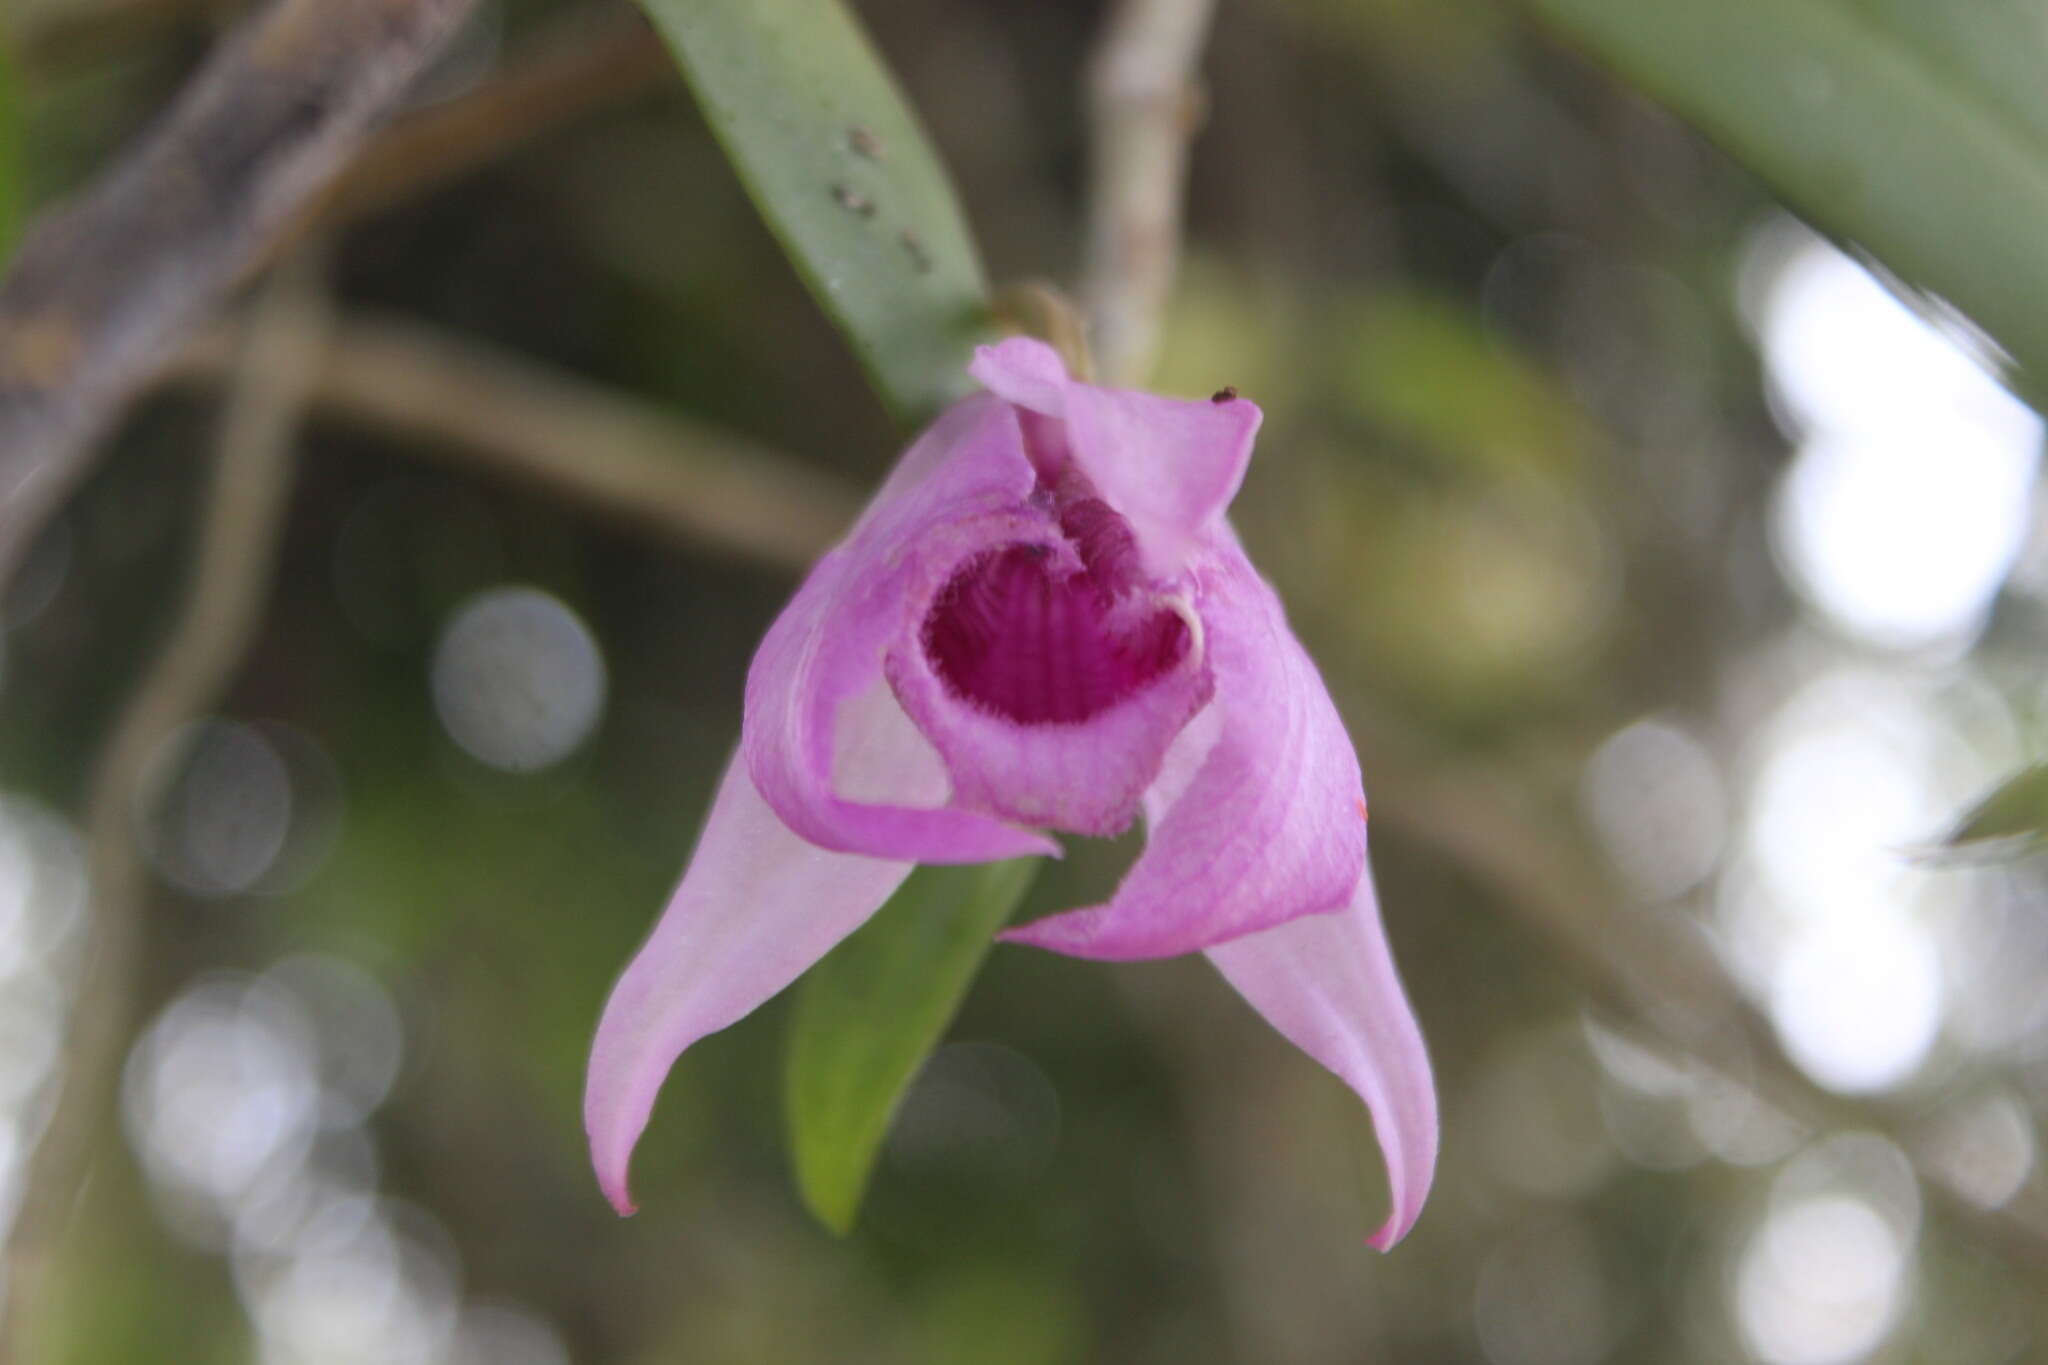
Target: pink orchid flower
pixel 1041 622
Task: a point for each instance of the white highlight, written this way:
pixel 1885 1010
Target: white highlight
pixel 1858 1004
pixel 222 824
pixel 1908 500
pixel 518 679
pixel 1655 798
pixel 1820 1282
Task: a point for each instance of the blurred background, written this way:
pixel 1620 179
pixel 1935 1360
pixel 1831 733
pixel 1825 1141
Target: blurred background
pixel 1679 584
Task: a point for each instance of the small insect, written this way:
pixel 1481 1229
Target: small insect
pixel 920 259
pixel 1226 394
pixel 864 143
pixel 853 201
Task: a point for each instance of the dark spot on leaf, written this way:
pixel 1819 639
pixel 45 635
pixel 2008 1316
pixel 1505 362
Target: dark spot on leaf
pixel 864 143
pixel 853 201
pixel 920 259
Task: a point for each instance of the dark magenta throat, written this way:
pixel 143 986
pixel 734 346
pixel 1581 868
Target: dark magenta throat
pixel 1014 635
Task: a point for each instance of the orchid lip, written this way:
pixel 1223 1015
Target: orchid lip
pixel 1056 632
pixel 1050 670
pixel 1020 634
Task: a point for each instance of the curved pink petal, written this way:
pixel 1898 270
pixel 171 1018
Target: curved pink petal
pixel 1170 466
pixel 961 488
pixel 1327 983
pixel 756 906
pixel 1270 823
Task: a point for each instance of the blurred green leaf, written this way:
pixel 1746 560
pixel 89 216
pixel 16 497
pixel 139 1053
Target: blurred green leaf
pixel 1426 368
pixel 846 178
pixel 868 1014
pixel 2016 810
pixel 1916 128
pixel 12 144
pixel 1004 1313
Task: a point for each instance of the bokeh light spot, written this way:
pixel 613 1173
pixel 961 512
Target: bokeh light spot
pixel 518 679
pixel 1655 798
pixel 1908 500
pixel 1820 1282
pixel 1858 1005
pixel 223 821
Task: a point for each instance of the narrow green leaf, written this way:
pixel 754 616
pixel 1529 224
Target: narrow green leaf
pixel 867 1015
pixel 2015 812
pixel 1916 128
pixel 846 178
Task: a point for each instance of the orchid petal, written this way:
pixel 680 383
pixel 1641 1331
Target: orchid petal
pixel 1269 826
pixel 757 906
pixel 960 488
pixel 1024 371
pixel 1327 983
pixel 1169 466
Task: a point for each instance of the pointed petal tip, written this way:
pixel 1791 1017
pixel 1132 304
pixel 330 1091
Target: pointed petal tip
pixel 612 1135
pixel 1092 933
pixel 610 1166
pixel 1020 936
pixel 1327 984
pixel 1062 934
pixel 1408 1139
pixel 1405 1212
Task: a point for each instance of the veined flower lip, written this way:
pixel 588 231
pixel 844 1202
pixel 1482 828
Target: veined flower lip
pixel 1050 674
pixel 861 754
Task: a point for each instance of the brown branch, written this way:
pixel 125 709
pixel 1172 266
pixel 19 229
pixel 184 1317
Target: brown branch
pixel 1144 105
pixel 579 62
pixel 55 33
pixel 630 459
pixel 103 286
pixel 238 540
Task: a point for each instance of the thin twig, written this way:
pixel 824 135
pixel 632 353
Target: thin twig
pixel 614 454
pixel 1144 104
pixel 241 526
pixel 573 65
pixel 102 287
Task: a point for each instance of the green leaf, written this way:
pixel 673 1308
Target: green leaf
pixel 1915 128
pixel 1426 368
pixel 868 1014
pixel 837 164
pixel 13 144
pixel 2015 812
